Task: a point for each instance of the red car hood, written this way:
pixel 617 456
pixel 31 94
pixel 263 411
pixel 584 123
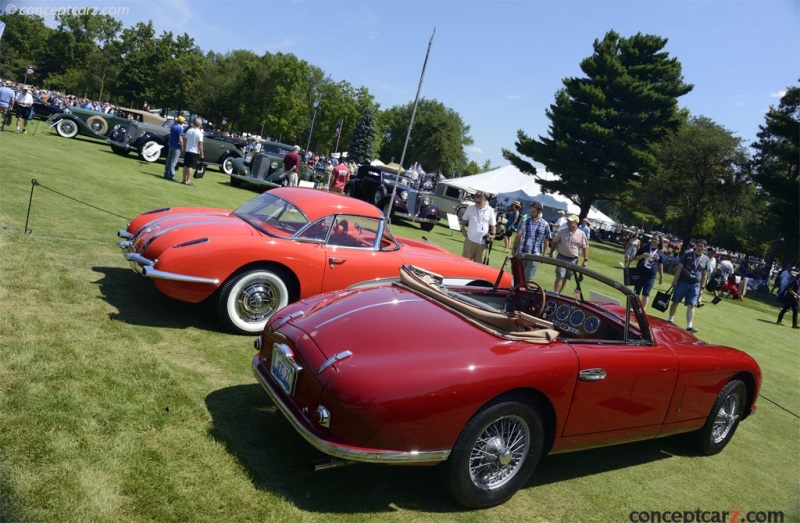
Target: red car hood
pixel 164 232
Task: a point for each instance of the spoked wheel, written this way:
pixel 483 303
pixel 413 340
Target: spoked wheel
pixel 724 418
pixel 249 299
pixel 495 454
pixel 531 286
pixel 66 128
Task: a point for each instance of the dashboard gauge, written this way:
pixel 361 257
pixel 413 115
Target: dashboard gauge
pixel 591 325
pixel 563 313
pixel 577 318
pixel 549 308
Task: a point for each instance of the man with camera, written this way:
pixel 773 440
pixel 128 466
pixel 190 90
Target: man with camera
pixel 478 227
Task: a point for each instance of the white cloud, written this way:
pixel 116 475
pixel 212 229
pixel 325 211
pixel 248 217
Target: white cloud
pixel 779 94
pixel 514 97
pixel 476 150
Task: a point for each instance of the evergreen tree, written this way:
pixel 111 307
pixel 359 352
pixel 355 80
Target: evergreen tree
pixel 603 124
pixel 776 165
pixel 362 144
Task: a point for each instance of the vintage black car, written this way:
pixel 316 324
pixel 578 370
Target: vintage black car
pixel 152 142
pixel 375 183
pixel 265 168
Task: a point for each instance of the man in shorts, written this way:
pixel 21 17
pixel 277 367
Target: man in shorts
pixel 23 103
pixel 192 150
pixel 690 277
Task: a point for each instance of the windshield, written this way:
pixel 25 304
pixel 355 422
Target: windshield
pixel 274 148
pixel 272 215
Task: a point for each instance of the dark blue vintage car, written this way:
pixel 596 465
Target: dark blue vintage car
pixel 375 183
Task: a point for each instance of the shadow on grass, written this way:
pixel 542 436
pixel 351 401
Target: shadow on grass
pixel 278 460
pixel 140 303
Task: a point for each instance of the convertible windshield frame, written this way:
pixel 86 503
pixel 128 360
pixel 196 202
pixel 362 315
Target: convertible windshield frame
pixel 279 208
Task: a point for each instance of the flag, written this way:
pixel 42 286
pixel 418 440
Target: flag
pixel 2 28
pixel 30 71
pixel 338 129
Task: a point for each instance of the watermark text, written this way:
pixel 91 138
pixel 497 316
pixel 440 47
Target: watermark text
pixel 54 10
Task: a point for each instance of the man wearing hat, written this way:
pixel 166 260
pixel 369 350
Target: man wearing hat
pixel 478 225
pixel 175 147
pixel 512 222
pixel 569 242
pixel 560 223
pixel 6 102
pixel 23 103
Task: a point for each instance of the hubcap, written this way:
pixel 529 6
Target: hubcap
pixel 499 452
pixel 67 127
pixel 256 302
pixel 725 419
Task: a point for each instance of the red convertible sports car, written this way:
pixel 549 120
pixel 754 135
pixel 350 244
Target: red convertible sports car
pixel 491 379
pixel 283 245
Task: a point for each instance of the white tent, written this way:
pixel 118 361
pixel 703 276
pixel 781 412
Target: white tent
pixel 496 181
pixel 511 184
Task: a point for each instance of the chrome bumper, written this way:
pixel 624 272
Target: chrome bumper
pixel 409 217
pixel 120 144
pixel 389 457
pixel 144 266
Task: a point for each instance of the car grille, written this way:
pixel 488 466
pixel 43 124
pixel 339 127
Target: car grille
pixel 134 132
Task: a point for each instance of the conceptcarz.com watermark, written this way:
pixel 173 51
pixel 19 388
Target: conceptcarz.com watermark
pixel 731 515
pixel 56 10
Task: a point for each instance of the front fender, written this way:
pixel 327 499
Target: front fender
pixel 430 211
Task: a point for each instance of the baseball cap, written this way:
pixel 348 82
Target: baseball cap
pixel 180 119
pixel 573 218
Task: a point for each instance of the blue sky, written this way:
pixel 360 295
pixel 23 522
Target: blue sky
pixel 498 64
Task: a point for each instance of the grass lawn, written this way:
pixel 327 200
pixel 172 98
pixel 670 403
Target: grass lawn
pixel 118 404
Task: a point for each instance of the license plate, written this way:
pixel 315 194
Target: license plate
pixel 284 370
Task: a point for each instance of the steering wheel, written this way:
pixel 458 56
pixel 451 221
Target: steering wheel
pixel 530 286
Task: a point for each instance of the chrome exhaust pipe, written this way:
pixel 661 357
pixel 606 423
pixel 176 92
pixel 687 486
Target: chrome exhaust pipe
pixel 330 463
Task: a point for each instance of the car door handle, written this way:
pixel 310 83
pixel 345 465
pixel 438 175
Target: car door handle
pixel 336 261
pixel 592 374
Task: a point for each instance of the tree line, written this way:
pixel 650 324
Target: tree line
pixel 276 95
pixel 617 136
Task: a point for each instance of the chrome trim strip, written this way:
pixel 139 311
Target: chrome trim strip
pixel 123 233
pixel 285 319
pixel 349 453
pixel 333 359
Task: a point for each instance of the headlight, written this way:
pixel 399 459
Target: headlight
pixel 404 195
pixel 426 200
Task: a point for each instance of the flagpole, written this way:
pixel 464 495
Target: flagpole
pixel 410 125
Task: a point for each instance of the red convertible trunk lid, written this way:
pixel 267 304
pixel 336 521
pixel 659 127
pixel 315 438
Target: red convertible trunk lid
pixel 366 310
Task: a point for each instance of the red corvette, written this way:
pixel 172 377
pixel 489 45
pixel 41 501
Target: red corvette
pixel 488 380
pixel 283 245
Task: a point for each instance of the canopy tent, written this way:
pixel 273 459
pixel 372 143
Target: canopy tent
pixel 504 179
pixel 510 183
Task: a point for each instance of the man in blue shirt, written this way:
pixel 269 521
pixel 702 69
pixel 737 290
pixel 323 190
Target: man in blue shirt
pixel 533 237
pixel 6 101
pixel 175 147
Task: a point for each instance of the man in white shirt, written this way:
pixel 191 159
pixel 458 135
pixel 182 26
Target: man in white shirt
pixel 192 150
pixel 23 103
pixel 478 225
pixel 560 223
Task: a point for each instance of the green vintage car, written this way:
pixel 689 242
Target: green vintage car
pixel 98 125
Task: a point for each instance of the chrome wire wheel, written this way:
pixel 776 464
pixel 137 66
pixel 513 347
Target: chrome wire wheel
pixel 725 419
pixel 496 452
pixel 499 452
